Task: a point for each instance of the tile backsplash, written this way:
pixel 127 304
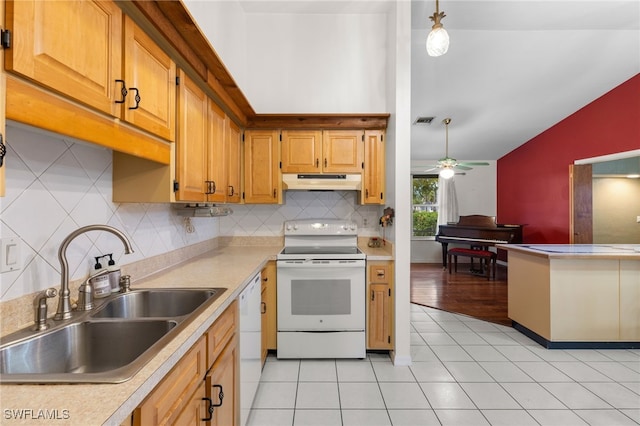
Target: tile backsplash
pixel 55 185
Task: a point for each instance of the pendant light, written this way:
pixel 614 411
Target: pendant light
pixel 438 39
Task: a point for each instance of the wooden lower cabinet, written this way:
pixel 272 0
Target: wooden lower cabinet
pixel 208 369
pixel 269 308
pixel 167 401
pixel 222 380
pixel 196 410
pixel 380 305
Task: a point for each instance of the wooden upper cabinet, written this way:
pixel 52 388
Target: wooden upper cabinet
pixel 342 151
pixel 150 74
pixel 262 178
pixel 191 146
pixel 328 151
pixel 224 156
pixel 234 162
pixel 301 151
pixel 373 173
pixel 73 47
pixel 89 51
pixel 217 151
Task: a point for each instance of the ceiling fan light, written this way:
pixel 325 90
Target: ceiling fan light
pixel 437 41
pixel 447 173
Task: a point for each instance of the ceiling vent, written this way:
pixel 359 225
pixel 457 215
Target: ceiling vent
pixel 423 120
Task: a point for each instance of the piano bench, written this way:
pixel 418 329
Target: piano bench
pixel 489 256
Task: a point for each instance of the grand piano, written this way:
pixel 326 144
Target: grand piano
pixel 477 231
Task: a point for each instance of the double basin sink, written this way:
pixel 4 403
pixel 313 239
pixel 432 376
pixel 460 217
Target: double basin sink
pixel 106 345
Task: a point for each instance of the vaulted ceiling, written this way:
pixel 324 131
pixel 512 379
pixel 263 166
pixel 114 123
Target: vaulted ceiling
pixel 514 69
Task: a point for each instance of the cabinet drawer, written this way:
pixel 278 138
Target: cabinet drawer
pixel 174 393
pixel 220 332
pixel 378 273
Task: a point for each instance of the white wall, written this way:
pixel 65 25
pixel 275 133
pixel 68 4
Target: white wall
pixel 317 63
pixel 300 63
pixel 225 26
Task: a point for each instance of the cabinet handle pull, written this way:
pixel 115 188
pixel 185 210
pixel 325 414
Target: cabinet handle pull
pixel 264 308
pixel 274 193
pixel 3 151
pixel 325 162
pixel 123 91
pixel 373 295
pixel 220 396
pixel 265 279
pixel 317 163
pixel 366 193
pixel 213 187
pixel 209 409
pixel 137 98
pixel 231 191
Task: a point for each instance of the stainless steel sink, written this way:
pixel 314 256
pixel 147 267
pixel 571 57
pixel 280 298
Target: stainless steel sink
pixel 107 345
pixel 154 303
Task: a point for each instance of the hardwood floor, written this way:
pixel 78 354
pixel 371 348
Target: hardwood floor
pixel 461 292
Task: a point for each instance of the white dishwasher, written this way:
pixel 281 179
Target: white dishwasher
pixel 250 345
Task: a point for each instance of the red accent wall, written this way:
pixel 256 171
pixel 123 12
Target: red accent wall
pixel 533 180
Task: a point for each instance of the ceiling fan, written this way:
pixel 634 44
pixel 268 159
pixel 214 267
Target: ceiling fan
pixel 448 165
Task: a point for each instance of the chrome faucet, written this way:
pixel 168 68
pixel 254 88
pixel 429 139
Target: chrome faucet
pixel 64 302
pixel 40 309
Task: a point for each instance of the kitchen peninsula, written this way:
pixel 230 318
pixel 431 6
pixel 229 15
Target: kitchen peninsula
pixel 576 296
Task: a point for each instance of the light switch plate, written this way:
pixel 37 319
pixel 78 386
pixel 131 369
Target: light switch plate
pixel 10 254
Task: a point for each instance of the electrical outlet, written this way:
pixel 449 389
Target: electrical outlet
pixel 10 256
pixel 365 221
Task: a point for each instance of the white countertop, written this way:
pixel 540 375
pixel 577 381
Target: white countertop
pixel 578 251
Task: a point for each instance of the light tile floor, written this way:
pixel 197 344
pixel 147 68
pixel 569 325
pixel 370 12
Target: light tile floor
pixel 464 372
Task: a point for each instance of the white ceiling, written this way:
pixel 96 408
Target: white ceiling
pixel 514 67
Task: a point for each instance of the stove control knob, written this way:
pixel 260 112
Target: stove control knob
pixel 289 227
pixel 295 227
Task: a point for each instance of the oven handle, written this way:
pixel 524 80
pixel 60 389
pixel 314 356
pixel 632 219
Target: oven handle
pixel 311 263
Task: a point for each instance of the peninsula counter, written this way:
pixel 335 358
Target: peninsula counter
pixel 575 296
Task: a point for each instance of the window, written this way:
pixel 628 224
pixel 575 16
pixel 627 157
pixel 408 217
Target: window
pixel 425 207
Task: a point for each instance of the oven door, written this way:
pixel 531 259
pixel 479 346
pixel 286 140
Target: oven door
pixel 321 295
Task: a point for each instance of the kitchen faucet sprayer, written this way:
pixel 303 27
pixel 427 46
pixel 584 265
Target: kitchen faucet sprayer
pixel 64 302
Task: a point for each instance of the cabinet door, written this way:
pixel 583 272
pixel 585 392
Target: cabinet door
pixel 263 324
pixel 217 161
pixel 191 147
pixel 169 398
pixel 234 160
pixel 2 113
pixel 373 173
pixel 195 413
pixel 73 47
pixel 342 151
pixel 223 378
pixel 380 305
pixel 151 74
pixel 301 151
pixel 261 173
pixel 269 279
pixel 379 326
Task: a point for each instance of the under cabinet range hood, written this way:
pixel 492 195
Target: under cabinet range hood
pixel 323 182
pixel 202 210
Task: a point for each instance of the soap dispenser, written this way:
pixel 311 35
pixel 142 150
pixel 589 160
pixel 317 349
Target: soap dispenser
pixel 100 282
pixel 114 274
